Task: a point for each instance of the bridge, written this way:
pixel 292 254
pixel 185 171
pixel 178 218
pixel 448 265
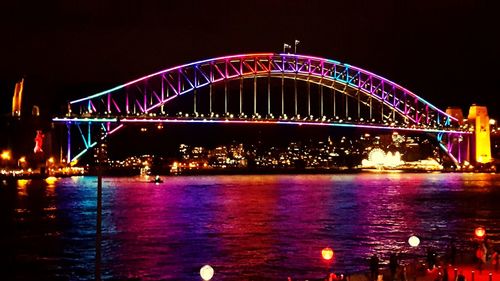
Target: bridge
pixel 267 88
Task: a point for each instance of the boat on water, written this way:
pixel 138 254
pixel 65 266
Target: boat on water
pixel 157 179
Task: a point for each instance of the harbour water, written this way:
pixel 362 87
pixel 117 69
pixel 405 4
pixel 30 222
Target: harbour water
pixel 248 227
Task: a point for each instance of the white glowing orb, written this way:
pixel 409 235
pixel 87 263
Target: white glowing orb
pixel 414 241
pixel 206 272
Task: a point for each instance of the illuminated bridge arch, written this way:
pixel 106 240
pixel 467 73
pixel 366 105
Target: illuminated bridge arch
pixel 145 99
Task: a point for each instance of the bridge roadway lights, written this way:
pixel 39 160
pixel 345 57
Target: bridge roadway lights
pixel 259 121
pixel 119 123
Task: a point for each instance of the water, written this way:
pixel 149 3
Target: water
pixel 247 227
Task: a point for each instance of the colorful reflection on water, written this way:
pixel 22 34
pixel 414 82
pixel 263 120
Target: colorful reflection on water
pixel 248 227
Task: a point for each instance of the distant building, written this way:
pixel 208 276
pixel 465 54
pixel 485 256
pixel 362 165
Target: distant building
pixel 17 99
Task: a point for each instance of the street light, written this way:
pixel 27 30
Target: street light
pixel 327 253
pixel 414 241
pixel 480 232
pixel 206 272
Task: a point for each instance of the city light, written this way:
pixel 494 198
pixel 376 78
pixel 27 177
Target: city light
pixel 21 162
pixel 206 272
pixel 327 253
pixel 51 180
pixel 6 155
pixel 378 158
pixel 414 241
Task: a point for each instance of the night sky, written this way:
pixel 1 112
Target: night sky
pixel 446 51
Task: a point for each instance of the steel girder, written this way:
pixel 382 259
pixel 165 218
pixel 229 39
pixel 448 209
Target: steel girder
pixel 150 93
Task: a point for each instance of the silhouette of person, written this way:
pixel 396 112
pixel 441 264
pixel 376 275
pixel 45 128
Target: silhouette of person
pixel 453 253
pixel 497 260
pixel 374 264
pixel 393 265
pixel 431 258
pixel 481 252
pixel 445 273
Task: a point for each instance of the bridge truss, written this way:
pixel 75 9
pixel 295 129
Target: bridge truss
pixel 261 88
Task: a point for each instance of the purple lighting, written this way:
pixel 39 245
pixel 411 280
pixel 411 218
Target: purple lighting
pixel 252 121
pixel 384 90
pixel 146 95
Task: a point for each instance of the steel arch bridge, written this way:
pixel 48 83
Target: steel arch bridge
pixel 366 99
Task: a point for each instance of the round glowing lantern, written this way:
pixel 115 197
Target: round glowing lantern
pixel 480 232
pixel 206 272
pixel 327 253
pixel 414 241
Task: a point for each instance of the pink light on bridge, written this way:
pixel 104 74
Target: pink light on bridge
pixel 168 84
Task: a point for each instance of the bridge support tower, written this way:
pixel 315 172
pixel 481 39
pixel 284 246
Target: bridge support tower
pixel 481 140
pixel 476 147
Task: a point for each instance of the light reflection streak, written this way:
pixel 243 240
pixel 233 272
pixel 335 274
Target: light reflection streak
pixel 244 224
pixel 21 187
pixel 248 216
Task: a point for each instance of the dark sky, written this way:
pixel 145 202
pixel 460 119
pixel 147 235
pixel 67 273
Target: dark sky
pixel 446 51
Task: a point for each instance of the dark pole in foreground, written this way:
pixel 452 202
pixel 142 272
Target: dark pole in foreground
pixel 414 241
pixel 98 236
pixel 98 225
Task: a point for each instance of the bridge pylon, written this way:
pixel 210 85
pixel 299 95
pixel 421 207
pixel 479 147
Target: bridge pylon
pixel 479 120
pixel 474 148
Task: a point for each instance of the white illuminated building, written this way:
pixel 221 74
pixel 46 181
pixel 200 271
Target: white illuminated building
pixel 377 158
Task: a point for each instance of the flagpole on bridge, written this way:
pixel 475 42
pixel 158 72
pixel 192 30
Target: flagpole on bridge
pixel 286 46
